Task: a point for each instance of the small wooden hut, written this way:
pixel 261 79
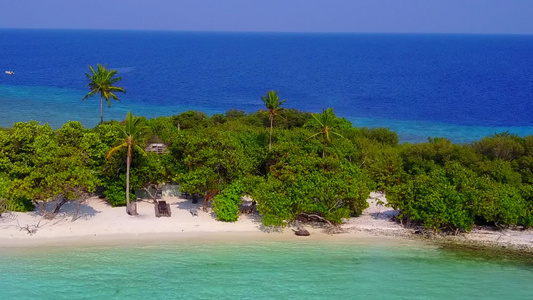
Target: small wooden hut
pixel 158 148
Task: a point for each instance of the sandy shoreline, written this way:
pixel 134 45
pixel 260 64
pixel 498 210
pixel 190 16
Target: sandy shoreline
pixel 101 224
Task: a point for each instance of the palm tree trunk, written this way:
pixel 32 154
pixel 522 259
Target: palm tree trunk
pixel 324 149
pixel 270 139
pixel 101 110
pixel 128 162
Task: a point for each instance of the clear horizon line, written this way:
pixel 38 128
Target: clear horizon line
pixel 264 31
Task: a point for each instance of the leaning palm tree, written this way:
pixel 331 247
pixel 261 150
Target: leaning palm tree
pixel 273 105
pixel 325 123
pixel 133 131
pixel 102 82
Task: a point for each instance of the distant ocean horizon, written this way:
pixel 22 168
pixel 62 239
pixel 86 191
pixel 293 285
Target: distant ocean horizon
pixel 459 86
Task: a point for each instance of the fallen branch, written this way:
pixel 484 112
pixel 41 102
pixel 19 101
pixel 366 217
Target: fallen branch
pixel 318 217
pixel 29 230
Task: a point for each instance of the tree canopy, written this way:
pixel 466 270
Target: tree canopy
pixel 222 158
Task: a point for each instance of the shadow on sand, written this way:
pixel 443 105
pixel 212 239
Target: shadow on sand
pixel 68 210
pixel 385 215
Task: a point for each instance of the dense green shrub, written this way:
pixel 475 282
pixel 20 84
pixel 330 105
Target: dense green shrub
pixel 502 146
pixel 380 134
pixel 226 204
pixel 300 182
pixel 453 197
pixel 499 170
pixel 235 113
pixel 190 119
pixel 115 193
pixel 433 200
pixel 383 164
pixel 219 119
pixel 498 203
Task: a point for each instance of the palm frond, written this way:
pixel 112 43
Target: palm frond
pixel 114 96
pixel 312 136
pixel 140 149
pixel 115 150
pixel 117 89
pixel 337 134
pixel 317 120
pixel 90 94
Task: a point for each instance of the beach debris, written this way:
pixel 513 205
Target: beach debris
pixel 193 212
pixel 162 209
pixel 301 231
pixel 31 229
pixel 248 209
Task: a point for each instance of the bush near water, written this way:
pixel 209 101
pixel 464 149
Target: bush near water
pixel 438 184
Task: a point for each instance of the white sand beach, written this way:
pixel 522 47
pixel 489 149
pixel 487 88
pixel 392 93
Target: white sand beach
pixel 98 222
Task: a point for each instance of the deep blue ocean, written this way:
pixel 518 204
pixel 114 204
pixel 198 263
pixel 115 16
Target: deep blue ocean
pixel 462 87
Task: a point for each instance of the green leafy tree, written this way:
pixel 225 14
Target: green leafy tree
pixel 235 113
pixel 326 124
pixel 504 146
pixel 102 82
pixel 434 200
pixel 207 160
pixel 45 165
pixel 190 119
pixel 153 173
pixel 131 133
pixel 380 134
pixel 273 106
pixel 300 183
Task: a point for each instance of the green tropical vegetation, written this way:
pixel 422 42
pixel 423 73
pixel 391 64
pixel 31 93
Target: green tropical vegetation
pixel 304 173
pixel 102 82
pixel 130 134
pixel 325 125
pixel 273 106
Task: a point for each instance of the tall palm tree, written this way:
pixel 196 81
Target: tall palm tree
pixel 326 123
pixel 133 131
pixel 273 105
pixel 102 82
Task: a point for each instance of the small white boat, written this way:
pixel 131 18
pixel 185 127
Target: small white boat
pixel 10 73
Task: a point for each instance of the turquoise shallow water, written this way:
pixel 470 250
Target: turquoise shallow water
pixel 260 270
pixel 57 106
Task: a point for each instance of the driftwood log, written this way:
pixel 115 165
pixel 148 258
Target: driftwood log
pixel 300 230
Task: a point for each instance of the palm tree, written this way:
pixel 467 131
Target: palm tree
pixel 273 105
pixel 325 123
pixel 102 82
pixel 133 131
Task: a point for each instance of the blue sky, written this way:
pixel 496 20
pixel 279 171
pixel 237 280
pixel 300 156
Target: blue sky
pixel 449 16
